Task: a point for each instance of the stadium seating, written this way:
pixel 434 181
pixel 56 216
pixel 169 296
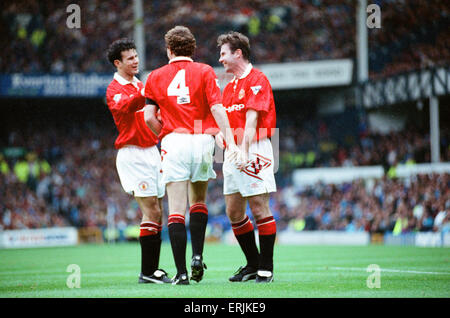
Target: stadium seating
pixel 73 180
pixel 285 31
pixel 77 185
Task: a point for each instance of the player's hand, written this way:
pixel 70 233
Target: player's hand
pixel 151 118
pixel 158 115
pixel 147 112
pixel 242 160
pixel 237 156
pixel 233 154
pixel 220 140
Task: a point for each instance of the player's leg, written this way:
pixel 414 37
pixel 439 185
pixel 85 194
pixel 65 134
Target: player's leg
pixel 175 148
pixel 177 194
pixel 198 219
pixel 139 174
pixel 201 167
pixel 259 205
pixel 245 235
pixel 150 240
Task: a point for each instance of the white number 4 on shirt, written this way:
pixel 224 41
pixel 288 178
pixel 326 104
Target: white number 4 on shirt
pixel 178 88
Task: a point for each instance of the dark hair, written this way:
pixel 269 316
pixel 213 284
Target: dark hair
pixel 116 48
pixel 236 41
pixel 180 41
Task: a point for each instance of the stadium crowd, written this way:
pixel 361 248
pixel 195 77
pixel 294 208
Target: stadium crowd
pixel 344 140
pixel 59 176
pixel 413 36
pixel 418 203
pixel 35 37
pixel 66 176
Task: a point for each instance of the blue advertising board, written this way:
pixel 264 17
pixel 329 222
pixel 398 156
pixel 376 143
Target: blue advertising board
pixel 47 85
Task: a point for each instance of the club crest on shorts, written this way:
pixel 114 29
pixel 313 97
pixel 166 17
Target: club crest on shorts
pixel 241 94
pixel 255 166
pixel 143 185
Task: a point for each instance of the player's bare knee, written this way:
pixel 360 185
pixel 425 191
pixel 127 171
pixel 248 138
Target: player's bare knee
pixel 258 212
pixel 235 214
pixel 150 208
pixel 259 208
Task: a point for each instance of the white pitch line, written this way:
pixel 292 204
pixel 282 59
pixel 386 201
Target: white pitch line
pixel 388 270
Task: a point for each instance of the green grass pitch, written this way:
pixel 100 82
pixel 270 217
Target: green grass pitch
pixel 110 271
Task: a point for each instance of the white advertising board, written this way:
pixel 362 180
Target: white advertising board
pixel 324 238
pixel 294 75
pixel 39 237
pixel 307 177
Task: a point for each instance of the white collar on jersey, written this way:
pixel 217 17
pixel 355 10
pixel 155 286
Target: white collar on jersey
pixel 181 58
pixel 247 71
pixel 123 81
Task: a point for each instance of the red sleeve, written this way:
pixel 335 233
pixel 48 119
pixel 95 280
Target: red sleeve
pixel 148 88
pixel 121 102
pixel 258 94
pixel 212 88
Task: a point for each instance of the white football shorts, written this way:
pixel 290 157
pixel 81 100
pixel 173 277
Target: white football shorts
pixel 257 177
pixel 139 171
pixel 187 157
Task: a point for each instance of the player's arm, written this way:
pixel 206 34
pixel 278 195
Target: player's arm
pixel 152 115
pixel 251 121
pixel 225 137
pixel 222 121
pixel 214 98
pixel 151 118
pixel 123 103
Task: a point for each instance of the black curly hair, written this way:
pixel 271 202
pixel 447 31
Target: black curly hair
pixel 116 48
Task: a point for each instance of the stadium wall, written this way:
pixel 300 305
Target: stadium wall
pixel 68 236
pixel 292 237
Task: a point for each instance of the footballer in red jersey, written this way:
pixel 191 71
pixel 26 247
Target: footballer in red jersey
pixel 185 91
pixel 138 160
pixel 189 99
pixel 250 106
pixel 126 104
pixel 251 91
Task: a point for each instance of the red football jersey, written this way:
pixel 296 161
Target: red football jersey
pixel 251 91
pixel 185 91
pixel 125 101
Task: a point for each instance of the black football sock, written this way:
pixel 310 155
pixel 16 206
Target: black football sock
pixel 198 219
pixel 266 245
pixel 267 234
pixel 150 250
pixel 245 236
pixel 178 241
